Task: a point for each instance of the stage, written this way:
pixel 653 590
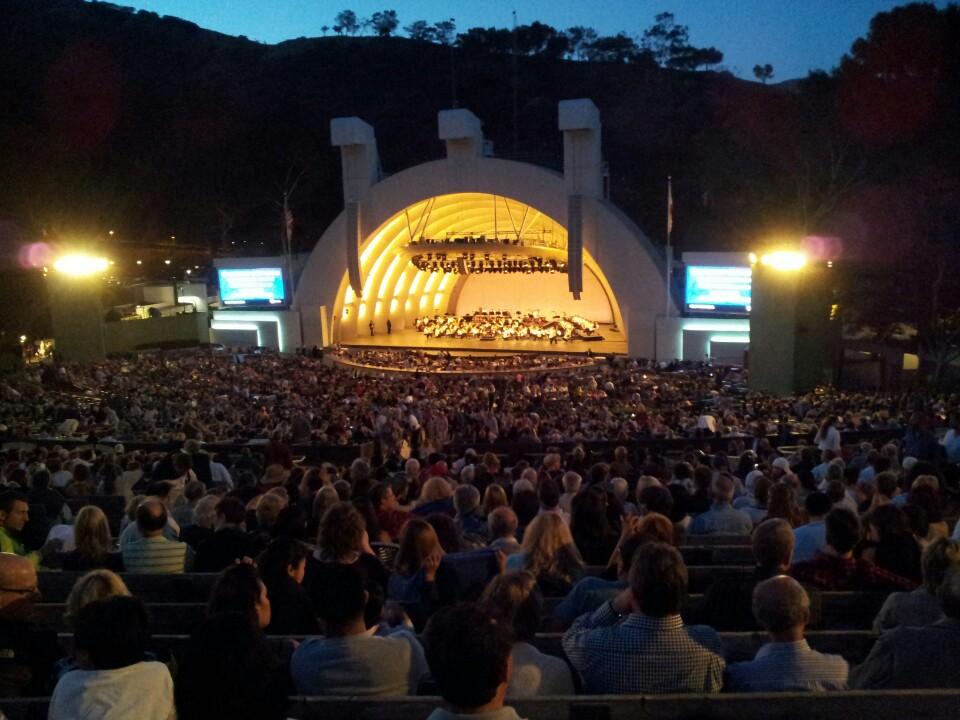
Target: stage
pixel 612 344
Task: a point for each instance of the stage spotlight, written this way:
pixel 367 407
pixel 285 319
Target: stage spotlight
pixel 78 265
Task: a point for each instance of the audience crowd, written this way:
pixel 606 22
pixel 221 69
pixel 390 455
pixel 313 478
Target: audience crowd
pixel 427 572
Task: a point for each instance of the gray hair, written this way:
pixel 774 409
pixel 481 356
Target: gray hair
pixel 780 603
pixel 205 511
pixel 619 487
pixel 466 498
pixel 571 481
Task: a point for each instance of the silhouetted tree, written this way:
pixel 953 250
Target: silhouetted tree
pixel 445 31
pixel 763 72
pixel 348 22
pixel 579 38
pixel 421 30
pixel 619 48
pixel 384 22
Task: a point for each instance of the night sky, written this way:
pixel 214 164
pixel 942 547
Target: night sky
pixel 795 36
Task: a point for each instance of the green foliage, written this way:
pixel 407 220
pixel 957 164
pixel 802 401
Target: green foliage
pixel 384 22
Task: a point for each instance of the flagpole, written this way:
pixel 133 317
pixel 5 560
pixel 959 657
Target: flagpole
pixel 669 249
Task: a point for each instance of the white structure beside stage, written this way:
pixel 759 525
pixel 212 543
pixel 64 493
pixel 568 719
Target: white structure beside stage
pixel 623 273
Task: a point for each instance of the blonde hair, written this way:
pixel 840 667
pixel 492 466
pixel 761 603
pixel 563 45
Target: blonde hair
pixel 436 488
pixel 938 557
pixel 493 497
pixel 95 585
pixel 548 548
pixel 92 532
pixel 515 600
pixel 418 540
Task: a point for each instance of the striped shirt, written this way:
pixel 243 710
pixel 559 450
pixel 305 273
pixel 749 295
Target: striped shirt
pixel 788 666
pixel 154 555
pixel 641 654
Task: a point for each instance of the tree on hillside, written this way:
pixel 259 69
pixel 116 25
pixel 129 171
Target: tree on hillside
pixel 540 39
pixel 620 48
pixel 445 31
pixel 421 30
pixel 666 38
pixel 384 22
pixel 325 29
pixel 579 39
pixel 492 40
pixel 763 72
pixel 347 21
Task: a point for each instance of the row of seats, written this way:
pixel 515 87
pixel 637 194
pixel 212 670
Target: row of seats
pixel 829 611
pixel 875 704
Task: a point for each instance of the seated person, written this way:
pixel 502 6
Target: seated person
pixel 549 553
pixel 349 660
pixel 727 601
pixel 637 642
pixel 592 592
pixel 282 567
pixel 111 637
pixel 835 568
pixel 470 660
pixel 229 541
pixel 229 670
pixel 514 599
pixel 95 585
pixel 722 518
pixel 786 663
pixel 27 651
pixel 918 657
pixel 154 552
pixel 922 606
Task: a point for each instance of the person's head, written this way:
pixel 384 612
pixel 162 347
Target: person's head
pixel 269 509
pixel 928 498
pixel 230 513
pixel 658 579
pixel 949 593
pixel 773 542
pixel 494 497
pixel 843 530
pixel 885 521
pixel 549 493
pixel 435 489
pixel 326 497
pixel 938 558
pixel 341 531
pixel 283 558
pixel 91 532
pixel 18 587
pixel 239 589
pixel 418 540
pixel 817 505
pixel 383 497
pixel 722 489
pixel 205 512
pixel 194 490
pixel 341 599
pixel 95 585
pixel 781 606
pixel 836 491
pixel 781 503
pixel 656 499
pixel 112 633
pixel 588 513
pixel 657 527
pixel 468 652
pixel 543 541
pixel 215 671
pixel 466 499
pixel 526 505
pixel 515 600
pixel 447 532
pixel 151 517
pixel 503 523
pixel 14 510
pixel 571 482
pixel 682 471
pixel 887 483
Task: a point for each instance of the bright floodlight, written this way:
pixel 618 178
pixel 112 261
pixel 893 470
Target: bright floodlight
pixel 784 260
pixel 81 264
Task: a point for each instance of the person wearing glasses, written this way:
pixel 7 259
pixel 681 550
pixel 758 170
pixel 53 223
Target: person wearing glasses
pixel 27 651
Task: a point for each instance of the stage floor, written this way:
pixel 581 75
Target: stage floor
pixel 612 344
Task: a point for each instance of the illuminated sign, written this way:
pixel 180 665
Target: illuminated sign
pixel 241 287
pixel 718 289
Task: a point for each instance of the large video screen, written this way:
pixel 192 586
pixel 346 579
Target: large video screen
pixel 252 286
pixel 722 290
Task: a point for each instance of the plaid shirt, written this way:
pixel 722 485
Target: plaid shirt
pixel 788 666
pixel 640 654
pixel 829 572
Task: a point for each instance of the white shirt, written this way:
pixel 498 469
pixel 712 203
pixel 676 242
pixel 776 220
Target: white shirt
pixel 830 440
pixel 143 691
pixel 61 478
pixel 535 674
pixel 64 533
pixel 220 474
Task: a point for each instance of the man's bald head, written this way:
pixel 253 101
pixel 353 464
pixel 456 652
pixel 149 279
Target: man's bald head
pixel 18 578
pixel 780 604
pixel 151 517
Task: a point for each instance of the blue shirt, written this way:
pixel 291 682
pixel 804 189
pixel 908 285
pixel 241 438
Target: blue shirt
pixel 788 666
pixel 586 596
pixel 722 519
pixel 809 539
